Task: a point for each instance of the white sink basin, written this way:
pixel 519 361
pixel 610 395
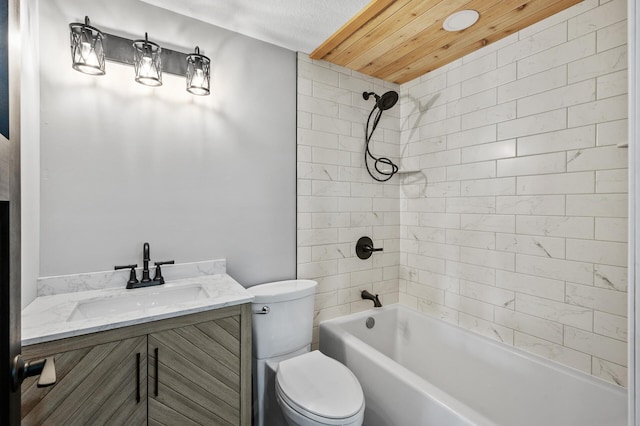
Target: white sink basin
pixel 137 300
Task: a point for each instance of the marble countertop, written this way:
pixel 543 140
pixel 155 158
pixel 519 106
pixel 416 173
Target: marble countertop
pixel 54 317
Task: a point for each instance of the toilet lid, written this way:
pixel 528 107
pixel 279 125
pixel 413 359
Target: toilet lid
pixel 322 386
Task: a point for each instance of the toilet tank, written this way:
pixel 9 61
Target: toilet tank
pixel 287 322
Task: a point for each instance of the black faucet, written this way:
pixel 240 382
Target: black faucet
pixel 146 257
pixel 368 296
pixel 158 279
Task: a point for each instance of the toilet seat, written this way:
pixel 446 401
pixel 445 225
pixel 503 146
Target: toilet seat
pixel 321 389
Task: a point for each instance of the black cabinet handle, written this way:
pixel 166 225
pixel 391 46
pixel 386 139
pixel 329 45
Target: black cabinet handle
pixel 155 351
pixel 138 377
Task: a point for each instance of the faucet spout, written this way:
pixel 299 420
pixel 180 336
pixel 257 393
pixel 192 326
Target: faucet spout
pixel 146 257
pixel 368 296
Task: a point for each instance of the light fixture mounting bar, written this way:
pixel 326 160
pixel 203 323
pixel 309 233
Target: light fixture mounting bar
pixel 119 49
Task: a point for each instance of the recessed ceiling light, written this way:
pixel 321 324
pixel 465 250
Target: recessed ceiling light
pixel 461 20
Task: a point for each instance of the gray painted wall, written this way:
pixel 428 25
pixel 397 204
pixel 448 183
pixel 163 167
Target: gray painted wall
pixel 198 177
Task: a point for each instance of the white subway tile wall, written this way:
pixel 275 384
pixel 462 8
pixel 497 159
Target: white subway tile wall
pixel 518 229
pixel 337 200
pixel 513 220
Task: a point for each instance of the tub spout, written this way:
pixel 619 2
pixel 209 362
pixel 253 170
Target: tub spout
pixel 376 301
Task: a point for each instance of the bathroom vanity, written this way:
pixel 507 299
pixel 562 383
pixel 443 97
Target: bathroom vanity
pixel 182 357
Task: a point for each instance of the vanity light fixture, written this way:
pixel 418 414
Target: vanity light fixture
pixel 198 73
pixel 87 50
pixel 461 20
pixel 147 62
pixel 90 47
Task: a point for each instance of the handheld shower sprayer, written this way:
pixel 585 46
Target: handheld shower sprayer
pixel 383 103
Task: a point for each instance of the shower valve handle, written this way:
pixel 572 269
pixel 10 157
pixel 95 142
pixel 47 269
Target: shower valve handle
pixel 364 248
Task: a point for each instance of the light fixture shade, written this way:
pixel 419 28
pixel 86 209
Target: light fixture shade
pixel 87 51
pixel 198 74
pixel 147 63
pixel 461 20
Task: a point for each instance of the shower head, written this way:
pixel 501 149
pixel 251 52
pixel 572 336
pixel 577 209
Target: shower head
pixel 384 102
pixel 388 100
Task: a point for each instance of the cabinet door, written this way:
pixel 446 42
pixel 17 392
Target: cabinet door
pixel 194 374
pixel 103 384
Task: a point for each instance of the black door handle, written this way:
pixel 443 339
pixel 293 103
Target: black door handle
pixel 20 370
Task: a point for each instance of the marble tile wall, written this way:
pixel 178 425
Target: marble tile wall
pixel 515 227
pixel 337 201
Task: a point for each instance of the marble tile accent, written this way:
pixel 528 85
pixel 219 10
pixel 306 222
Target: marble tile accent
pixel 556 226
pixel 524 87
pixel 612 132
pixel 609 325
pixel 477 136
pixel 534 245
pixel 609 371
pixel 531 205
pixel 608 109
pixel 486 328
pixel 600 158
pixel 603 63
pixel 561 140
pixel 533 44
pixel 611 277
pixel 565 96
pixel 483 187
pixel 598 299
pixel 564 53
pixel 489 151
pixel 612 181
pixel 469 306
pixel 491 258
pixel 559 269
pixel 487 222
pixel 533 124
pixel 602 205
pixel 562 183
pixel 602 252
pixel 556 352
pixel 488 293
pixel 594 344
pixel 532 285
pixel 48 286
pixel 465 238
pixel 575 316
pixel 533 165
pixel 544 329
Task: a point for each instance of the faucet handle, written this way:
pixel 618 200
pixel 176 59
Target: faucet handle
pixel 364 248
pixel 132 274
pixel 158 275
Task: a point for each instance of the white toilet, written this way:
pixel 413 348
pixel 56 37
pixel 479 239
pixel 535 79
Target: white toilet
pixel 292 385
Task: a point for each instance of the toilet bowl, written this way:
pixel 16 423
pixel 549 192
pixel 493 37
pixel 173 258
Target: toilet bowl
pixel 292 384
pixel 313 389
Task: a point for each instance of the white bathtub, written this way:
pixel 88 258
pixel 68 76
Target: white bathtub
pixel 417 370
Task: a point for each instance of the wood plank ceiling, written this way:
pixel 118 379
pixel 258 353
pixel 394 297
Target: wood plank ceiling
pixel 399 40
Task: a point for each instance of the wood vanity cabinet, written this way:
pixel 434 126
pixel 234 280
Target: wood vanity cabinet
pixel 188 370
